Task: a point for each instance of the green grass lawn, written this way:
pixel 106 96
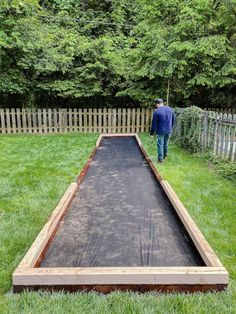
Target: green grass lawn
pixel 35 170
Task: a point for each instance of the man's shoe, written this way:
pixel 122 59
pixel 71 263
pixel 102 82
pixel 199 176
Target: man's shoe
pixel 165 157
pixel 159 160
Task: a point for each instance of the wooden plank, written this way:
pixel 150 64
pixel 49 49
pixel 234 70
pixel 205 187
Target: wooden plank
pixel 137 121
pixel 13 119
pixel 45 122
pixel 18 118
pixel 200 242
pixel 128 120
pixel 55 123
pixel 205 132
pixel 75 120
pixel 29 120
pixel 114 112
pixel 35 129
pixel 104 120
pixel 85 114
pixel 233 141
pixel 142 120
pixel 60 119
pixel 227 141
pixel 222 143
pixel 148 120
pixel 133 120
pixel 65 120
pixel 123 120
pixel 218 138
pixel 80 120
pixel 70 120
pixel 8 121
pixel 100 120
pixel 216 134
pixel 39 120
pixel 95 120
pixel 90 120
pixel 24 120
pixel 2 115
pixel 50 120
pixel 119 121
pixel 109 113
pixel 31 257
pixel 116 276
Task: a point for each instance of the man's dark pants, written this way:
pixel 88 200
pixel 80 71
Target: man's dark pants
pixel 162 145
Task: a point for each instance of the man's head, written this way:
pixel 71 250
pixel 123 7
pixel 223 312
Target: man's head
pixel 158 102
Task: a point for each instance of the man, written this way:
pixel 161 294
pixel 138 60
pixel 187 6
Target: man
pixel 162 123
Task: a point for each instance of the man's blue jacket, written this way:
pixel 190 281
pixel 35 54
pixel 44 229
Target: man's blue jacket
pixel 162 120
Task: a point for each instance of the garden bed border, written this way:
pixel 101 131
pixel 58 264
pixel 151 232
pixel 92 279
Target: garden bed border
pixel 28 275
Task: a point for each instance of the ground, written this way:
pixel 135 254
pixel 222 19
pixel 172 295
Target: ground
pixel 35 170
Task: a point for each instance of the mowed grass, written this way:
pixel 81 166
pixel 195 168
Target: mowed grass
pixel 36 170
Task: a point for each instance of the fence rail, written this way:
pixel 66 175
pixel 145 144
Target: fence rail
pixel 75 120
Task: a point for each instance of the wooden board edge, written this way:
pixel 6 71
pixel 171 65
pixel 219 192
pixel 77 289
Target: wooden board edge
pixel 34 252
pixel 117 134
pixel 197 237
pixel 129 276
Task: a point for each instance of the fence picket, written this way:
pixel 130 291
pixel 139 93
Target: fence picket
pixel 119 121
pixel 90 120
pixel 70 120
pixel 128 120
pixel 2 114
pixel 24 121
pixel 35 130
pixel 142 120
pixel 109 117
pixel 95 120
pixel 133 121
pixel 114 121
pixel 85 119
pixel 13 119
pixel 123 120
pixel 8 121
pixel 80 120
pixel 18 118
pixel 55 121
pixel 45 128
pixel 39 120
pixel 100 120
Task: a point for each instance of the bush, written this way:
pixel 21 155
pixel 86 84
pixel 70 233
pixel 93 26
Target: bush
pixel 188 130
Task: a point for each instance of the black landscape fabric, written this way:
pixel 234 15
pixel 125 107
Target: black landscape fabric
pixel 120 216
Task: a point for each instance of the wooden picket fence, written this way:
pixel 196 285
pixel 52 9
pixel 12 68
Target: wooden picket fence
pixel 219 134
pixel 218 128
pixel 221 110
pixel 75 120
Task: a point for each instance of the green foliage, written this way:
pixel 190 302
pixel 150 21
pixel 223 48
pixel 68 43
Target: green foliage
pixel 224 167
pixel 118 49
pixel 189 128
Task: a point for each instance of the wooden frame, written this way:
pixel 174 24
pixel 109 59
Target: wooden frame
pixel 28 275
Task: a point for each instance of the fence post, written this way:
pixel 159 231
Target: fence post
pixel 205 131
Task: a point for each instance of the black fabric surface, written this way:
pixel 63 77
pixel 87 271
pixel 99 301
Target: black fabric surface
pixel 120 217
